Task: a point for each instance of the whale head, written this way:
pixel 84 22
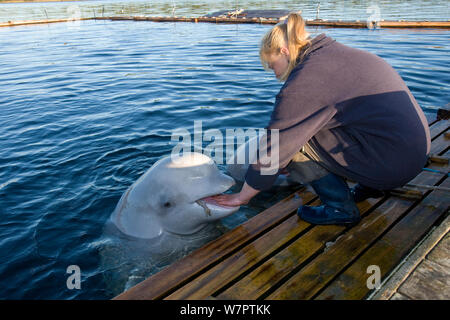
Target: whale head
pixel 169 197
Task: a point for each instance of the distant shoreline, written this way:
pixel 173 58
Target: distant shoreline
pixel 31 1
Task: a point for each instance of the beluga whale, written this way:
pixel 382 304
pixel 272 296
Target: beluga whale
pixel 161 217
pixel 173 197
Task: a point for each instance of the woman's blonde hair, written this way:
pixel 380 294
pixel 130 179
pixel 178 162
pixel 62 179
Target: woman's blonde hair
pixel 291 34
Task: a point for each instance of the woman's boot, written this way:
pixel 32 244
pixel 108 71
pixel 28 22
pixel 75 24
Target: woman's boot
pixel 361 193
pixel 338 206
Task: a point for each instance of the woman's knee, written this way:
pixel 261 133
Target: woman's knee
pixel 304 170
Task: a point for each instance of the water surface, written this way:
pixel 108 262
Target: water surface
pixel 87 108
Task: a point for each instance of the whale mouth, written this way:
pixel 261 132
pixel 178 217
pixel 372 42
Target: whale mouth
pixel 209 201
pixel 210 205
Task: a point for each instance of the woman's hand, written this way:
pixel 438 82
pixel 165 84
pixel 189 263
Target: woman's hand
pixel 236 199
pixel 229 200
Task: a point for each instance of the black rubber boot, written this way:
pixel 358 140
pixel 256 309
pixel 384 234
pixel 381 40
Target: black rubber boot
pixel 361 193
pixel 338 206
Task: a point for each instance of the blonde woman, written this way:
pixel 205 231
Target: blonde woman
pixel 342 113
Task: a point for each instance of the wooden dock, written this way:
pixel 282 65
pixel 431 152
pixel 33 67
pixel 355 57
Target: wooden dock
pixel 276 255
pixel 425 273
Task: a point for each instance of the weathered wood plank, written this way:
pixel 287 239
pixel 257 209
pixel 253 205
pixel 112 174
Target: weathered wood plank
pixel 441 252
pixel 275 20
pixel 398 296
pixel 46 21
pixel 436 146
pixel 430 281
pixel 309 280
pixel 164 282
pixel 255 284
pixel 421 178
pixel 390 249
pixel 438 128
pixel 439 159
pixel 244 20
pixel 431 119
pixel 407 265
pixel 232 267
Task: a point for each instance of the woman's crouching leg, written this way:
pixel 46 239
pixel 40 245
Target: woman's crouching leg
pixel 338 206
pixel 303 169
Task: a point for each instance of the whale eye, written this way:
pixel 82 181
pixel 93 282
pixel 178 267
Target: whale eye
pixel 167 204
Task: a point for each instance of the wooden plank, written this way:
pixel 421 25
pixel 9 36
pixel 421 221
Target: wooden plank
pixel 436 146
pixel 440 142
pixel 438 159
pixel 441 252
pixel 438 128
pixel 260 280
pixel 398 296
pixel 390 249
pixel 431 119
pixel 406 193
pixel 402 270
pixel 254 20
pixel 382 24
pixel 31 22
pixel 232 267
pixel 435 166
pixel 272 21
pixel 414 24
pixel 430 281
pixel 312 278
pixel 170 278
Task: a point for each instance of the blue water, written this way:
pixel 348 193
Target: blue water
pixel 87 108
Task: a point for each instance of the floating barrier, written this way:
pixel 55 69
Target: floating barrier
pixel 30 22
pixel 318 23
pixel 270 17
